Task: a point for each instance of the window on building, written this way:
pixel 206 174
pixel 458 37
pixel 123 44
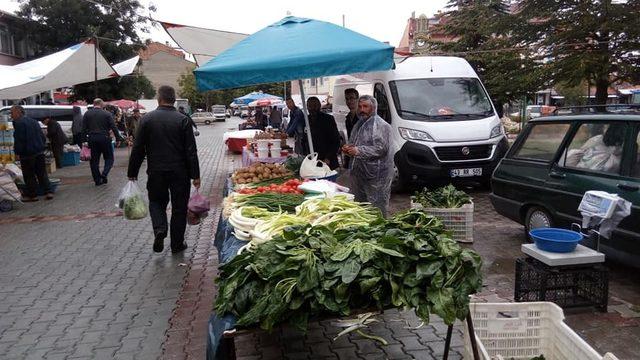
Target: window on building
pixel 312 82
pixel 6 41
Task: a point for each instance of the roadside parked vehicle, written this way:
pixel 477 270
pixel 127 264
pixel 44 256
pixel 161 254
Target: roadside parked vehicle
pixel 536 111
pixel 61 113
pixel 219 112
pixel 244 112
pixel 556 159
pixel 203 118
pixel 445 127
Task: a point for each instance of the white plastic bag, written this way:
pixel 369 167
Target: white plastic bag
pixel 312 168
pixel 132 201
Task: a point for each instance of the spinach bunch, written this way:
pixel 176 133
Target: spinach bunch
pixel 445 197
pixel 405 262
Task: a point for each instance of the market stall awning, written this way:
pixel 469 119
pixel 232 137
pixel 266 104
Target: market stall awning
pixel 126 67
pixel 294 48
pixel 253 96
pixel 71 66
pixel 202 43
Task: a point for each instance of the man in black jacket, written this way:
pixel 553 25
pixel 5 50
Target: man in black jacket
pixel 29 146
pixel 165 137
pixel 324 133
pixel 96 125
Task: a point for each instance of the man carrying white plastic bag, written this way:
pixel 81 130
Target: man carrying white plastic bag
pixel 165 137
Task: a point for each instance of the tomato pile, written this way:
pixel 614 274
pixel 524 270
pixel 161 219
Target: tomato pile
pixel 288 187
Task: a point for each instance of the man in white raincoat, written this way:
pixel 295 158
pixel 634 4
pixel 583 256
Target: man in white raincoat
pixel 372 161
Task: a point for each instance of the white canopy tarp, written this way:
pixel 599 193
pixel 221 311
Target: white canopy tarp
pixel 203 44
pixel 126 67
pixel 71 66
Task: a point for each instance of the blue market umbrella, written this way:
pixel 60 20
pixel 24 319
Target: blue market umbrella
pixel 293 49
pixel 253 96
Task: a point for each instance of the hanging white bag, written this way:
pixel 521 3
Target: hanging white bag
pixel 312 168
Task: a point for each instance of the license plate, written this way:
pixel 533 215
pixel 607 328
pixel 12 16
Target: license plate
pixel 465 172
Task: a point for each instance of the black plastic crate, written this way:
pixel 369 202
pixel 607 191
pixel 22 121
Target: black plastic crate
pixel 566 286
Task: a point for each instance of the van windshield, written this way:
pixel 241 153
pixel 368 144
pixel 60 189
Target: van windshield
pixel 441 99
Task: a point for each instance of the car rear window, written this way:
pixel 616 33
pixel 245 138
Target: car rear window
pixel 542 142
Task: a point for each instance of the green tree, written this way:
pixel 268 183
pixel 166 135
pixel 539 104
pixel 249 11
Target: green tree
pixel 57 24
pixel 593 41
pixel 481 30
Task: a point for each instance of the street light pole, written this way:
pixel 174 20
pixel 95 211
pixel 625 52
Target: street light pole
pixel 95 66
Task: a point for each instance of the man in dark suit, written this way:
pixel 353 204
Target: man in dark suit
pixel 96 125
pixel 165 137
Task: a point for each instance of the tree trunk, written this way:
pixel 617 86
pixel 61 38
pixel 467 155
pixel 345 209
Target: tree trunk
pixel 602 87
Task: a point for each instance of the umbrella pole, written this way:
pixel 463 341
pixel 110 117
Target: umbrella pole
pixel 306 116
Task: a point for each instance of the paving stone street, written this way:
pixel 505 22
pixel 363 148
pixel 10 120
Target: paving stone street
pixel 77 281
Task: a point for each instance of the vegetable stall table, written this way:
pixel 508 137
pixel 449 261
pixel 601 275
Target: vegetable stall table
pixel 462 278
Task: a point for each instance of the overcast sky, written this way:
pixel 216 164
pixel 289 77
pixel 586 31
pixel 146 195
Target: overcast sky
pixel 384 21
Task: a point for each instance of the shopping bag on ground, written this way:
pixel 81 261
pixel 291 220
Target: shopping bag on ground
pixel 132 202
pixel 85 153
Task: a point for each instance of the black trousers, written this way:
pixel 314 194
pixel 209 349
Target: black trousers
pixel 57 150
pixel 160 185
pixel 35 173
pixel 100 146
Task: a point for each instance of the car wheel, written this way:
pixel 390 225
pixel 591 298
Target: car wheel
pixel 537 217
pixel 207 122
pixel 400 181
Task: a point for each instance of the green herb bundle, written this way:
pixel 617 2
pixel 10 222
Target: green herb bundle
pixel 445 197
pixel 403 262
pixel 271 201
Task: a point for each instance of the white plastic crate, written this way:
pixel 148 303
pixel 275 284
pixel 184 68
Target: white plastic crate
pixel 524 331
pixel 459 221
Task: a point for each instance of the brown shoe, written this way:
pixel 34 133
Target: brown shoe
pixel 49 196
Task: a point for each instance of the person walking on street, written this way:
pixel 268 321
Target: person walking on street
pixel 132 123
pixel 76 126
pixel 57 139
pixel 182 111
pixel 296 128
pixel 29 146
pixel 371 160
pixel 165 137
pixel 96 124
pixel 324 133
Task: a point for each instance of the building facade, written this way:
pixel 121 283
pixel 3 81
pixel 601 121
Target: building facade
pixel 421 31
pixel 163 65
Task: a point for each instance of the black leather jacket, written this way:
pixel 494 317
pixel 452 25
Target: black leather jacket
pixel 166 138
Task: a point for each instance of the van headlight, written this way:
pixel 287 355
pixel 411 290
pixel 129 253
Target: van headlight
pixel 410 134
pixel 496 131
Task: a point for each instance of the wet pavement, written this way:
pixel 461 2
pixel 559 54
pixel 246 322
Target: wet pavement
pixel 78 281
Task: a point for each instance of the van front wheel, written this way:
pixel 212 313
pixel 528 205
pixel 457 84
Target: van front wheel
pixel 400 181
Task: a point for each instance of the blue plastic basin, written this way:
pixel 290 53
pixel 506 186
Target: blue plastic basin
pixel 556 240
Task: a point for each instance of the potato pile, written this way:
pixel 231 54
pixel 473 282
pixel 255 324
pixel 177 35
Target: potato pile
pixel 259 172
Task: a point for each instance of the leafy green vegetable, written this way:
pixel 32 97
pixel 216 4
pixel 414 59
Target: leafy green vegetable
pixel 293 164
pixel 445 197
pixel 135 207
pixel 271 201
pixel 308 271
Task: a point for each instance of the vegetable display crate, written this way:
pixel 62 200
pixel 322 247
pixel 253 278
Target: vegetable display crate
pixel 70 159
pixel 566 286
pixel 457 220
pixel 525 331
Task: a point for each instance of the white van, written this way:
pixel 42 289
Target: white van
pixel 61 113
pixel 445 126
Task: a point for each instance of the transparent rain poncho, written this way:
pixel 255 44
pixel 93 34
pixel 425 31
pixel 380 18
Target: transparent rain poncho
pixel 372 168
